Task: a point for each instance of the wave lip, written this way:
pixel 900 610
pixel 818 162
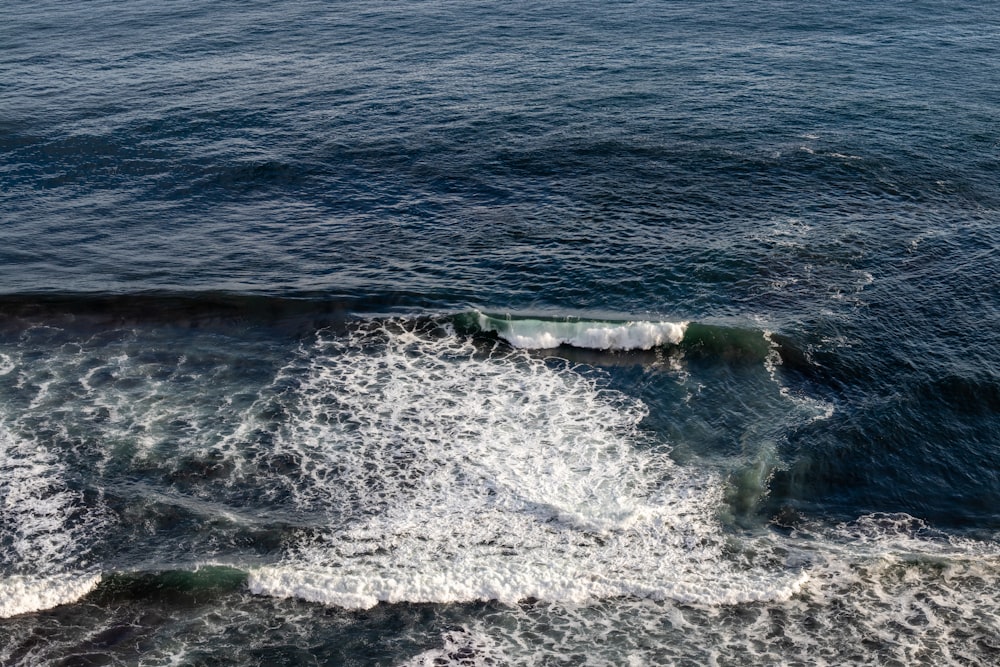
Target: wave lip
pixel 538 334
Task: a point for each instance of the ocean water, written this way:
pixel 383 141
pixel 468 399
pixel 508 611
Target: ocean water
pixel 465 333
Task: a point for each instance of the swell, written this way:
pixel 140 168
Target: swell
pixel 194 309
pixel 303 313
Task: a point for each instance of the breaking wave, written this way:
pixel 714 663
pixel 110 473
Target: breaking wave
pixel 535 334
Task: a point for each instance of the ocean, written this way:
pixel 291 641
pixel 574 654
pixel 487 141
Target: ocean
pixel 467 333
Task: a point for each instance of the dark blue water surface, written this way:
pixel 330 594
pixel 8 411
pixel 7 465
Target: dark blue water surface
pixel 256 261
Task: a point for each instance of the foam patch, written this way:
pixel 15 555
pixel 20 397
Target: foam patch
pixel 488 475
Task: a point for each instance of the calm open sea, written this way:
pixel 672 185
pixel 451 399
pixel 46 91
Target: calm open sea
pixel 475 333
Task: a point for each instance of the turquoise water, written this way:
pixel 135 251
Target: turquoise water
pixel 454 333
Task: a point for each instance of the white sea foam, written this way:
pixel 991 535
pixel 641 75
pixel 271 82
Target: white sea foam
pixel 460 646
pixel 885 588
pixel 545 334
pixel 851 612
pixel 138 395
pixel 479 476
pixel 35 504
pixel 23 594
pixel 42 526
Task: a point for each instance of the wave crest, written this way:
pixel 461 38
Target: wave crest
pixel 539 334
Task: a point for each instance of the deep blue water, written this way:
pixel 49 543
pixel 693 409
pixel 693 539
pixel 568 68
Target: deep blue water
pixel 488 333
